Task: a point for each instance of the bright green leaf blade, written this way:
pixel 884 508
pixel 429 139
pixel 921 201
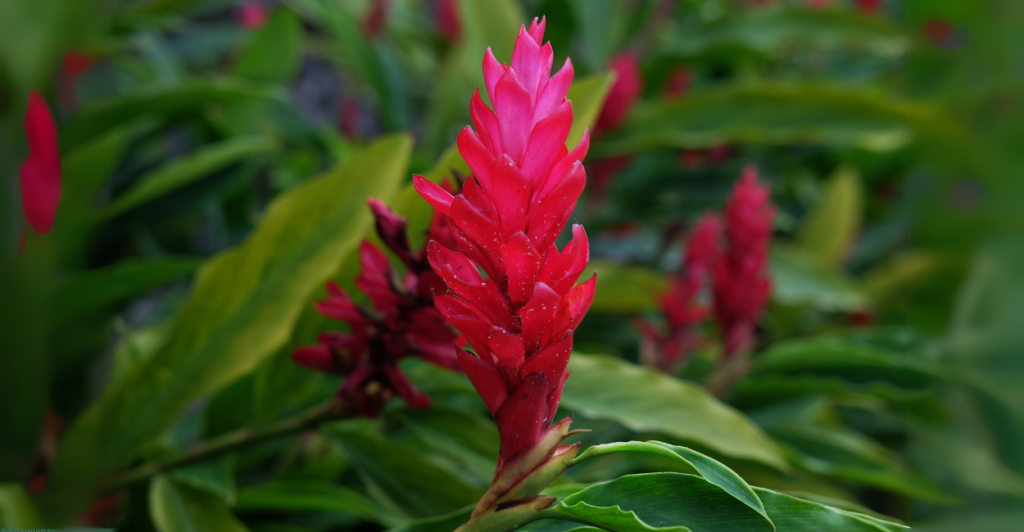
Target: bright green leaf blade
pixel 243 308
pixel 175 507
pixel 837 356
pixel 796 515
pixel 98 290
pixel 643 399
pixel 626 288
pixel 188 169
pixel 402 480
pixel 778 114
pixel 712 470
pixel 660 501
pixel 93 119
pixel 16 510
pixel 773 29
pixel 830 228
pixel 274 53
pixel 303 496
pixel 587 96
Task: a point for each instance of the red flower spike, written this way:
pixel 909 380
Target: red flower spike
pixel 520 313
pixel 681 307
pixel 741 279
pixel 404 322
pixel 40 173
pixel 623 93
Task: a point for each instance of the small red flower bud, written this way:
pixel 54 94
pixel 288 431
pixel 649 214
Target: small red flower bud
pixel 40 173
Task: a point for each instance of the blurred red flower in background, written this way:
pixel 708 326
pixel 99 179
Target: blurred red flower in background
pixel 252 15
pixel 40 173
pixel 623 94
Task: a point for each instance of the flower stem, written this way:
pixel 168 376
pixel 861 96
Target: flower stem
pixel 332 410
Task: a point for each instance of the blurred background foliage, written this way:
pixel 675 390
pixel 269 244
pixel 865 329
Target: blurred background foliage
pixel 216 159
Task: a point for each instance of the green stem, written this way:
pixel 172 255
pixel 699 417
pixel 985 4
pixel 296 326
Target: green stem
pixel 330 411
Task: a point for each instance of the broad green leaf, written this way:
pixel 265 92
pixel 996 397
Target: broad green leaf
pixel 587 96
pixel 837 356
pixel 403 481
pixel 470 441
pixel 243 307
pixel 771 30
pixel 188 169
pixel 971 459
pixel 303 496
pixel 601 25
pixel 799 280
pixel 779 113
pixel 626 288
pixel 16 510
pixel 94 119
pixel 659 501
pixel 441 523
pixel 96 291
pixel 136 346
pixel 644 399
pixel 830 228
pixel 712 470
pixel 889 278
pixel 216 476
pixel 274 52
pixel 175 507
pixel 795 515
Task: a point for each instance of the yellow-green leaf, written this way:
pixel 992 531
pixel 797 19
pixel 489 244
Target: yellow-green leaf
pixel 831 227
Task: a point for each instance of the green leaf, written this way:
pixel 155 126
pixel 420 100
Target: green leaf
pixel 441 523
pixel 16 510
pixel 659 501
pixel 777 113
pixel 626 288
pixel 587 96
pixel 94 119
pixel 712 470
pixel 795 515
pixel 175 507
pixel 274 53
pixel 799 280
pixel 837 356
pixel 601 25
pixel 303 496
pixel 468 440
pixel 98 290
pixel 243 307
pixel 188 169
pixel 774 29
pixel 216 476
pixel 402 480
pixel 831 227
pixel 644 399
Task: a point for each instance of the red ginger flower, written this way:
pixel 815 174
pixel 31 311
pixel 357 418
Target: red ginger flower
pixel 623 94
pixel 405 323
pixel 40 174
pixel 680 305
pixel 524 185
pixel 742 283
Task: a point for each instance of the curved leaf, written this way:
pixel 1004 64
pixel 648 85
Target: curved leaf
pixel 643 399
pixel 659 501
pixel 301 496
pixel 187 169
pixel 798 280
pixel 242 308
pixel 626 288
pixel 175 507
pixel 831 227
pixel 274 53
pixel 797 515
pixel 712 470
pixel 769 30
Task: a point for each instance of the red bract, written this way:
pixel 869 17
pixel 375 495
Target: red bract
pixel 741 280
pixel 448 24
pixel 513 294
pixel 681 306
pixel 403 323
pixel 40 174
pixel 623 93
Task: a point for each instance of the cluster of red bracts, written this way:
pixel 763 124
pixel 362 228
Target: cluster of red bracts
pixel 737 273
pixel 514 295
pixel 403 322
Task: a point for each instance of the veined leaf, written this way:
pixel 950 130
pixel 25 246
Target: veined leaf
pixel 175 507
pixel 242 309
pixel 96 118
pixel 303 496
pixel 188 169
pixel 769 30
pixel 796 515
pixel 778 113
pixel 643 399
pixel 712 470
pixel 831 227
